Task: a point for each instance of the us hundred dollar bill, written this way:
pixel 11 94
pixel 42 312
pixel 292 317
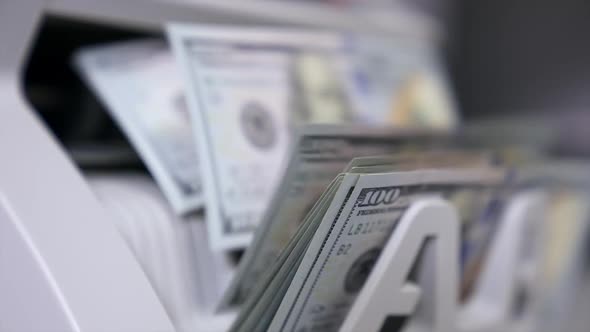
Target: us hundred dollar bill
pixel 242 102
pixel 339 257
pixel 318 288
pixel 319 154
pixel 139 85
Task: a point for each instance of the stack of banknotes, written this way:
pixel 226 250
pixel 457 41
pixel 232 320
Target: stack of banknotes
pixel 313 282
pixel 304 149
pixel 307 266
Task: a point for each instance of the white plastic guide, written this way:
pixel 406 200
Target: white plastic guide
pixel 387 291
pixel 490 308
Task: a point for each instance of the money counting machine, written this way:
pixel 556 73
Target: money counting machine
pixel 64 268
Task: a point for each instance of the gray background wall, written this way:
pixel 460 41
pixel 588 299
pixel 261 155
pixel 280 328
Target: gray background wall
pixel 519 55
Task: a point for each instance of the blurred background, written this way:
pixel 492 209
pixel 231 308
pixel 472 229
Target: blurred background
pixel 509 57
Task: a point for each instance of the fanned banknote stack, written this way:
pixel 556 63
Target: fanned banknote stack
pixel 313 281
